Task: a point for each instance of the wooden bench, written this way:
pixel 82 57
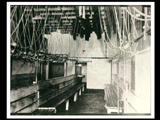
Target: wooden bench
pixel 28 99
pixel 112 104
pixel 58 100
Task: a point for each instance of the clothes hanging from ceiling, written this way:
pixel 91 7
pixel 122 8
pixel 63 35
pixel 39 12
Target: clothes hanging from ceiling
pixel 96 22
pixel 82 26
pixel 88 29
pixel 75 27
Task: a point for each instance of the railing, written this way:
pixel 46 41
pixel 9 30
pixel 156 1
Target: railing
pixel 28 99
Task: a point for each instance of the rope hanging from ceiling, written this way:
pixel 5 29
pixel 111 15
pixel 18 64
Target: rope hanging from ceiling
pixel 126 27
pixel 28 42
pixel 27 37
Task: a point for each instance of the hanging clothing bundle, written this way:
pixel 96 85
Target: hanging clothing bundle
pixel 96 22
pixel 75 27
pixel 82 27
pixel 88 29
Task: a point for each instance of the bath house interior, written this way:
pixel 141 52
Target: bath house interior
pixel 80 60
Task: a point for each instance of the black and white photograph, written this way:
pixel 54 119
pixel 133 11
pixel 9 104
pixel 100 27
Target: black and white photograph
pixel 80 59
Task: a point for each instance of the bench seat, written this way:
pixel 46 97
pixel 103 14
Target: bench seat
pixel 64 97
pixel 111 99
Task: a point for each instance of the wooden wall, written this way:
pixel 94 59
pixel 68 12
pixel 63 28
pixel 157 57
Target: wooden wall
pixel 22 73
pixel 28 99
pixel 22 67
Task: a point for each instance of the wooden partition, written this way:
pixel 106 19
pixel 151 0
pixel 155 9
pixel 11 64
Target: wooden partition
pixel 28 99
pixel 22 80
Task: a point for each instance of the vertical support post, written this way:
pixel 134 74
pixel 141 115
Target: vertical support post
pixel 126 100
pixel 124 83
pixel 75 97
pixel 124 70
pixel 111 71
pixel 65 69
pixel 67 105
pixel 118 96
pixel 38 97
pixel 47 69
pixel 118 88
pixel 36 71
pixel 41 65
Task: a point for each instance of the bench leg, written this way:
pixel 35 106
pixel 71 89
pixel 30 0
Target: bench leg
pixel 120 111
pixel 109 111
pixel 75 97
pixel 67 105
pixel 55 110
pixel 80 92
pixel 83 89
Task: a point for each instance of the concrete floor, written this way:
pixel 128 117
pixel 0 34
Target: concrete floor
pixel 90 102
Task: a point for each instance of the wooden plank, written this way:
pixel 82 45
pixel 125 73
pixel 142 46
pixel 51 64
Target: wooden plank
pixel 23 76
pixel 23 103
pixel 62 97
pixel 47 95
pixel 109 103
pixel 22 92
pixel 58 92
pixel 22 80
pixel 113 97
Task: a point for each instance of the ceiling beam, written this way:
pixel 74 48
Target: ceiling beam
pixel 69 17
pixel 58 13
pixel 62 8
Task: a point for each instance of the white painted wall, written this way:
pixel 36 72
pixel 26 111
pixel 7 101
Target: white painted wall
pixel 70 68
pixel 98 73
pixel 140 99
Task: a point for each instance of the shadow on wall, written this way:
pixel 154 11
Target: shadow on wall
pixel 56 70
